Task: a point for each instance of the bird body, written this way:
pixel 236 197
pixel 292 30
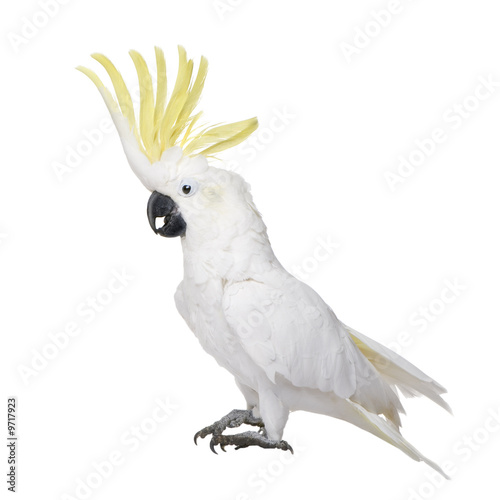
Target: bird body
pixel 283 344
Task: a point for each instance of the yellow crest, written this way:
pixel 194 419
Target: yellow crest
pixel 164 123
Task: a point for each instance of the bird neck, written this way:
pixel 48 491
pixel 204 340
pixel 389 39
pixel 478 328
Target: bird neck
pixel 227 256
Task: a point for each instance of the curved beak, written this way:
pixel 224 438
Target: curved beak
pixel 160 205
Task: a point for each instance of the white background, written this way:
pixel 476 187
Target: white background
pixel 318 174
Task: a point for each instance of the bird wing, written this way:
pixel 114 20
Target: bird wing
pixel 287 329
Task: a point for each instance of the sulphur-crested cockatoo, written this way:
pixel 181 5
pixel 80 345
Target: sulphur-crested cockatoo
pixel 283 344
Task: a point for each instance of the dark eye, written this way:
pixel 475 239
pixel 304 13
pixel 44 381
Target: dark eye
pixel 187 187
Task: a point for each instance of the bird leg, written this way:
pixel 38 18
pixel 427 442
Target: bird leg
pixel 236 418
pixel 233 419
pixel 246 439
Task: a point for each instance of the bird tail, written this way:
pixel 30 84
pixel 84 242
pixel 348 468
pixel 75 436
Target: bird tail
pixel 400 373
pixel 387 431
pixel 397 371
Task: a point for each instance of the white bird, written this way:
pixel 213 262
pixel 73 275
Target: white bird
pixel 283 344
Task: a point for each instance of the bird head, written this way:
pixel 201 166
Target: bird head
pixel 168 149
pixel 210 201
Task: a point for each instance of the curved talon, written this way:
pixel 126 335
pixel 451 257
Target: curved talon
pixel 212 446
pixel 201 434
pixel 243 440
pixel 233 419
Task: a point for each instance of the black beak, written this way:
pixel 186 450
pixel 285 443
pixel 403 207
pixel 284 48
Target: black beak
pixel 160 205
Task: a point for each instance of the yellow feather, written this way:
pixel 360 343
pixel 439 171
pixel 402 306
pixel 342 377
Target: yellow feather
pixel 169 122
pixel 177 99
pixel 147 104
pixel 161 87
pixel 191 125
pixel 222 137
pixel 192 99
pixel 121 90
pixel 97 81
pixel 232 141
pixel 110 100
pixel 108 97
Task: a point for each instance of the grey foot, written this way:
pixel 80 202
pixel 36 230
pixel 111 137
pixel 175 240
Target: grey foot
pixel 246 439
pixel 233 419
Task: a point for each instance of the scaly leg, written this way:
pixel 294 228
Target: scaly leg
pixel 246 439
pixel 234 419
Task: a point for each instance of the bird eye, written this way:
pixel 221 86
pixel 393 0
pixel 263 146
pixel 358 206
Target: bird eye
pixel 187 187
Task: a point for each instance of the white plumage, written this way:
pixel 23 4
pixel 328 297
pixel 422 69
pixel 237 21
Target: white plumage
pixel 283 344
pixel 281 341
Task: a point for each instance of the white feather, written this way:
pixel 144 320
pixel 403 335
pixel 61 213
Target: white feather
pixel 281 341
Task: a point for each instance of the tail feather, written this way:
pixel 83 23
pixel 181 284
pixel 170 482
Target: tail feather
pixel 397 371
pixel 390 434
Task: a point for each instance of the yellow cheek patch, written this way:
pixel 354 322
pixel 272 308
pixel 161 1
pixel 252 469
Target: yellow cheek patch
pixel 213 192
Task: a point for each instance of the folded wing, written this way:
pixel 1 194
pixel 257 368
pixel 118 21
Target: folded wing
pixel 289 330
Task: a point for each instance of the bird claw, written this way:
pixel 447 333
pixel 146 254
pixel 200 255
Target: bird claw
pixel 203 433
pixel 212 446
pixel 246 439
pixel 233 419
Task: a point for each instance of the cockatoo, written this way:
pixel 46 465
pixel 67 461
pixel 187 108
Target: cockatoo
pixel 282 343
